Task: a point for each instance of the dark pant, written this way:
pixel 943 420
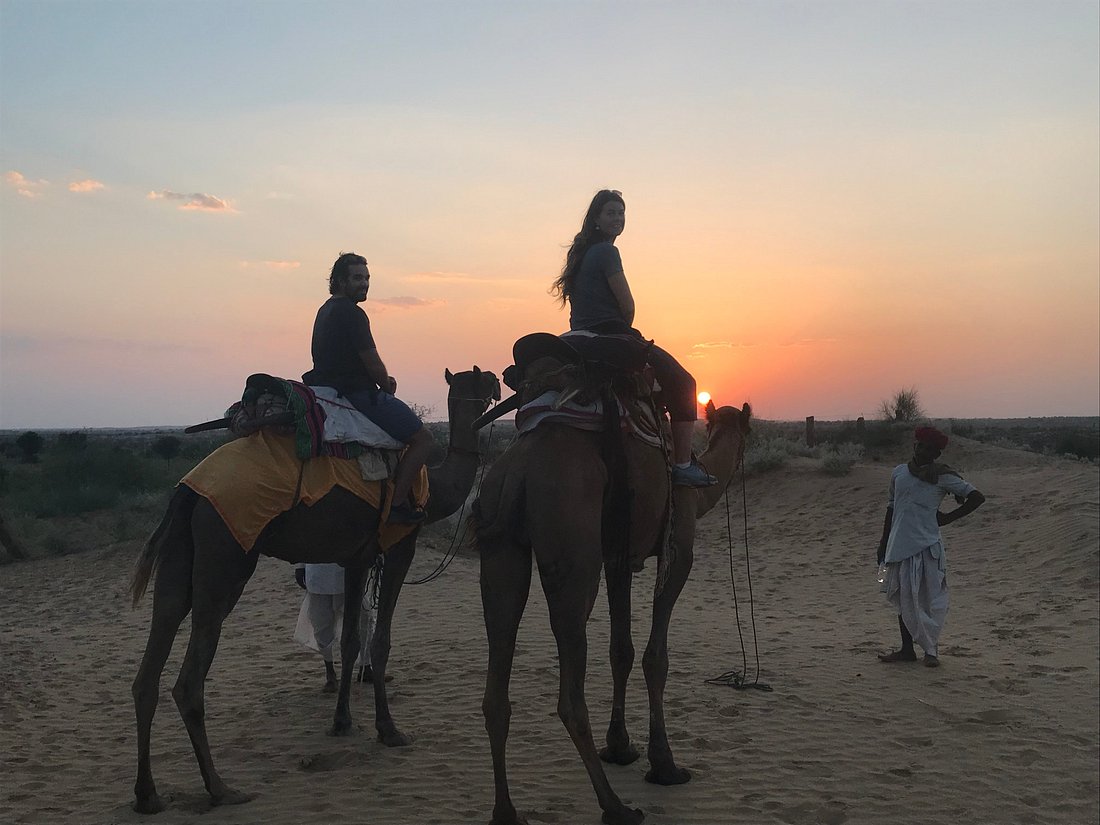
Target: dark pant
pixel 677 384
pixel 387 411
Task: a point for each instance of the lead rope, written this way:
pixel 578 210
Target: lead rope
pixel 460 526
pixel 733 678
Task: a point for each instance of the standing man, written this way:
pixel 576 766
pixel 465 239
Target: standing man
pixel 322 614
pixel 912 547
pixel 346 358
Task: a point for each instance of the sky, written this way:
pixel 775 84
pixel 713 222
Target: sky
pixel 826 201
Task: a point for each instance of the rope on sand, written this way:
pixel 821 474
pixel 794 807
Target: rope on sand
pixel 734 678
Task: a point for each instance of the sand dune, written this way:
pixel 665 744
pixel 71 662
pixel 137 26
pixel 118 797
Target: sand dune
pixel 1005 732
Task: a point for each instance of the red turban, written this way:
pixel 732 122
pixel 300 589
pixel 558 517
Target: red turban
pixel 930 435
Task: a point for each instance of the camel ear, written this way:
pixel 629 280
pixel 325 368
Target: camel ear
pixel 447 375
pixel 477 371
pixel 710 410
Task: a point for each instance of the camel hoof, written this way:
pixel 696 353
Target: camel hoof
pixel 341 728
pixel 668 776
pixel 149 805
pixel 393 738
pixel 619 754
pixel 232 797
pixel 508 818
pixel 625 816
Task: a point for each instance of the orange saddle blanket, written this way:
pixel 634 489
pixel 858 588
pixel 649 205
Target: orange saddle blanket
pixel 251 480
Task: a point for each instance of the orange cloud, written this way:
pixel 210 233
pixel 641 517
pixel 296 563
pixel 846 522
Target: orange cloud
pixel 197 201
pixel 24 186
pixel 88 185
pixel 405 302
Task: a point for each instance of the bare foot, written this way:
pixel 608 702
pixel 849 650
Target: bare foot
pixel 898 656
pixel 931 661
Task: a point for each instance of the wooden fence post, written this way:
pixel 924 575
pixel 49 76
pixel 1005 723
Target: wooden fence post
pixel 809 431
pixel 9 543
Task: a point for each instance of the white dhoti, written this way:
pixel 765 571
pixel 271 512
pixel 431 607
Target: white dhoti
pixel 917 588
pixel 320 623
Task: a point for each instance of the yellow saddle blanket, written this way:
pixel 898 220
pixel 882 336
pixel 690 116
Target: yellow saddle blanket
pixel 251 480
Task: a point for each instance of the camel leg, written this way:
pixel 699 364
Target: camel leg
pixel 570 593
pixel 171 604
pixel 663 769
pixel 505 586
pixel 220 572
pixel 398 560
pixel 620 750
pixel 355 579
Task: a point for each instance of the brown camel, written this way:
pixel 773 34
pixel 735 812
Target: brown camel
pixel 546 495
pixel 200 568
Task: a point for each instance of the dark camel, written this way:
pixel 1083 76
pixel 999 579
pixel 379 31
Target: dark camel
pixel 201 569
pixel 546 495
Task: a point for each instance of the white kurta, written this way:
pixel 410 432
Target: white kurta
pixel 916 560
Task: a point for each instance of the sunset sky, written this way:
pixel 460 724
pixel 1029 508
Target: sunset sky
pixel 826 201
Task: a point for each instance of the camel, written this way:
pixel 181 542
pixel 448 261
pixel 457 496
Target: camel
pixel 547 496
pixel 200 568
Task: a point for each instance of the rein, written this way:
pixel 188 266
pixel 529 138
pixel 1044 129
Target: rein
pixel 460 526
pixel 733 678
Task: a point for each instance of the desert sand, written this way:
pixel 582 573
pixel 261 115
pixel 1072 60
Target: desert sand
pixel 1006 731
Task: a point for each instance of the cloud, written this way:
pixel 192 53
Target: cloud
pixel 276 265
pixel 405 302
pixel 713 345
pixel 196 201
pixel 24 186
pixel 88 185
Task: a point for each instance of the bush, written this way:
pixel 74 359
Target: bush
pixel 31 444
pixel 838 460
pixel 68 483
pixel 903 406
pixel 1082 445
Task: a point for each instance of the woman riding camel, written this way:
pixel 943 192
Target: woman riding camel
pixel 594 284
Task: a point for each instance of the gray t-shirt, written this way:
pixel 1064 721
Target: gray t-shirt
pixel 591 301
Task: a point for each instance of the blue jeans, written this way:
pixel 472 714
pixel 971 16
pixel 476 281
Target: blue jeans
pixel 387 411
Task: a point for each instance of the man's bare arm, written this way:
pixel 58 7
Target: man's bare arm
pixel 972 503
pixel 885 534
pixel 377 370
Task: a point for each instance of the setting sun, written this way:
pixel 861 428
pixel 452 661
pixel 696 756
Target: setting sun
pixel 703 397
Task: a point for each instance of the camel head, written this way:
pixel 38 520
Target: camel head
pixel 727 431
pixel 470 394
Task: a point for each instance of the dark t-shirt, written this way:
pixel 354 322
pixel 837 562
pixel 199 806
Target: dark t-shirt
pixel 340 332
pixel 591 301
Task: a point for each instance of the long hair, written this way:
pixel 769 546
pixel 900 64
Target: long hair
pixel 339 275
pixel 589 235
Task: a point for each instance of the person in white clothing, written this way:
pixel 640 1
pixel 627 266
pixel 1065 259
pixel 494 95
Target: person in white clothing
pixel 322 614
pixel 912 548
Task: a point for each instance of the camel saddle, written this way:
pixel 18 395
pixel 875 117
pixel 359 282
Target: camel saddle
pixel 573 379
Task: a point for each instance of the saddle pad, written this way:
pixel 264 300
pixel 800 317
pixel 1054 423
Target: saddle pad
pixel 344 423
pixel 580 416
pixel 251 480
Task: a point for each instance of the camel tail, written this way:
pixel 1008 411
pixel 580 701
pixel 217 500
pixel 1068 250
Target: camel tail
pixel 178 518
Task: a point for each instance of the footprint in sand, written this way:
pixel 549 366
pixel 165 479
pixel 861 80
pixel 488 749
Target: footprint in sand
pixel 992 717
